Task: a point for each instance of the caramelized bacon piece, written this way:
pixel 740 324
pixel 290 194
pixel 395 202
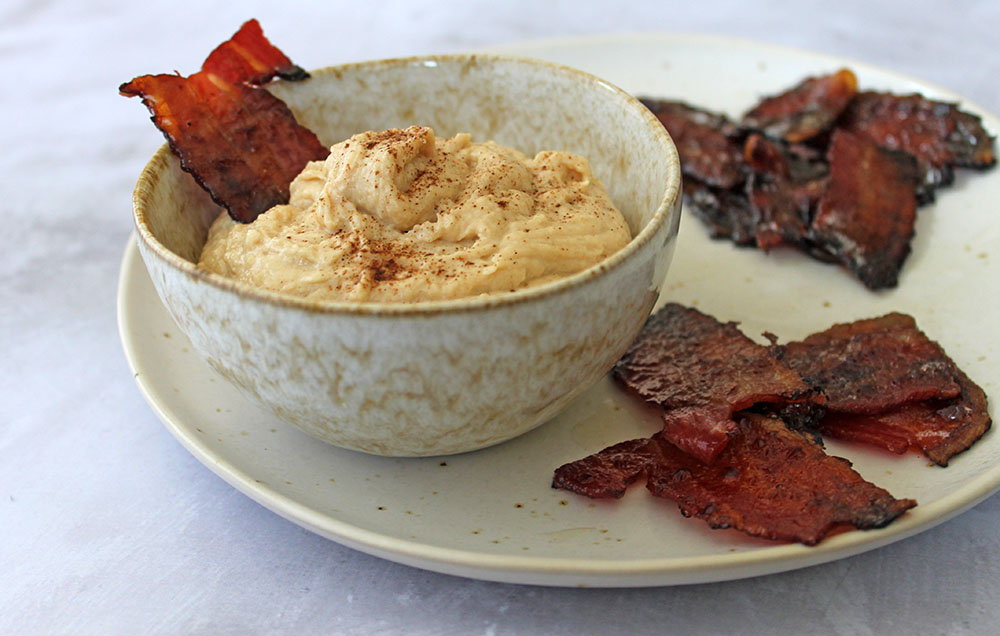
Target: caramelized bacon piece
pixel 768 482
pixel 939 134
pixel 238 141
pixel 726 213
pixel 806 110
pixel 940 429
pixel 874 365
pixel 708 143
pixel 865 216
pixel 702 371
pixel 609 472
pixel 781 215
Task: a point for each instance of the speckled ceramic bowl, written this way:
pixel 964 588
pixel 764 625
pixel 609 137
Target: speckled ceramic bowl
pixel 436 377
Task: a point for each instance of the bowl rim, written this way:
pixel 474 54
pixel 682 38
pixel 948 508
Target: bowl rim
pixel 666 211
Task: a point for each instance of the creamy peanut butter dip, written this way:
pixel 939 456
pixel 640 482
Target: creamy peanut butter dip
pixel 400 216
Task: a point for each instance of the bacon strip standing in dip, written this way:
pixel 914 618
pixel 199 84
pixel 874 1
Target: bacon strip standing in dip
pixel 241 144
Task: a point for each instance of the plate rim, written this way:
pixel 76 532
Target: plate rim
pixel 563 571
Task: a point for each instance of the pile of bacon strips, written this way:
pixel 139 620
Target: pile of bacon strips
pixel 740 445
pixel 823 168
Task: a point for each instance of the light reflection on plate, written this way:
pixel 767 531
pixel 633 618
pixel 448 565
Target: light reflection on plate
pixel 491 514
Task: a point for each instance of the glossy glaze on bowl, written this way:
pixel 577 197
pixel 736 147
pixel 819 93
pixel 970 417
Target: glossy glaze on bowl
pixel 446 376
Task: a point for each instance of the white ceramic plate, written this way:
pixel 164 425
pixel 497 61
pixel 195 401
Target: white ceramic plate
pixel 491 514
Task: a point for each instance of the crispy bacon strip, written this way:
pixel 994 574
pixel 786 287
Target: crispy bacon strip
pixel 806 110
pixel 702 371
pixel 940 429
pixel 769 482
pixel 242 144
pixel 939 134
pixel 874 365
pixel 865 216
pixel 709 145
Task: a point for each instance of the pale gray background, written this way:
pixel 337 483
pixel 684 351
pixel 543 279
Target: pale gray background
pixel 108 526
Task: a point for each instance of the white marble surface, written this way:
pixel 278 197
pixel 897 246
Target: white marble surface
pixel 107 525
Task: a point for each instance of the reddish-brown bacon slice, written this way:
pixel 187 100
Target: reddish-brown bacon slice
pixel 874 365
pixel 768 482
pixel 940 429
pixel 709 145
pixel 939 134
pixel 702 371
pixel 865 216
pixel 242 144
pixel 248 57
pixel 806 110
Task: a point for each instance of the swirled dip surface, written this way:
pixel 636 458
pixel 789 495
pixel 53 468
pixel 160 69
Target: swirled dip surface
pixel 400 216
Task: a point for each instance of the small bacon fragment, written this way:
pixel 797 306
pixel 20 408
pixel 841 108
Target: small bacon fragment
pixel 781 215
pixel 866 215
pixel 239 142
pixel 873 365
pixel 709 145
pixel 726 213
pixel 805 110
pixel 939 134
pixel 702 371
pixel 769 482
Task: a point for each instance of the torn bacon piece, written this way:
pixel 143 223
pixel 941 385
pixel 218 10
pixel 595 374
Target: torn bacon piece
pixel 711 152
pixel 889 385
pixel 239 142
pixel 780 207
pixel 769 482
pixel 710 146
pixel 865 217
pixel 726 213
pixel 806 110
pixel 940 429
pixel 938 134
pixel 702 371
pixel 873 365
